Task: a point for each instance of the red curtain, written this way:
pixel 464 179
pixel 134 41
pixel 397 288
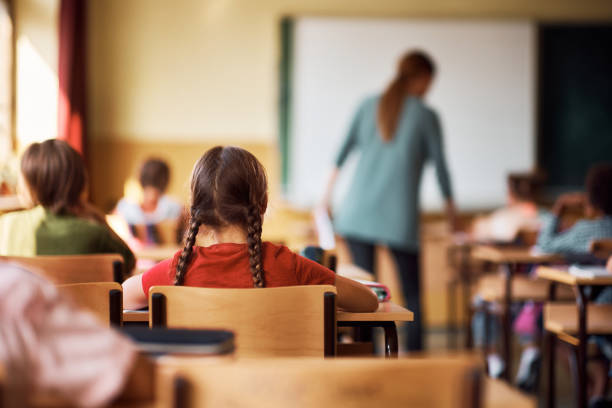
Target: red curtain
pixel 71 73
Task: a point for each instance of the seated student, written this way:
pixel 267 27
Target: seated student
pixel 53 176
pixel 228 199
pixel 49 346
pixel 519 214
pixel 597 204
pixel 155 206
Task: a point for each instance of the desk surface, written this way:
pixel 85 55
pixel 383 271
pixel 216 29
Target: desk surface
pixel 157 253
pixel 560 274
pixel 507 254
pixel 387 312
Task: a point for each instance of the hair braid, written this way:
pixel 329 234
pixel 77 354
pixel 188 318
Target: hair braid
pixel 181 266
pixel 254 245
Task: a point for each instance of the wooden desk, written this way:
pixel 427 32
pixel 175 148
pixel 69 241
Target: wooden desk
pixel 458 258
pixel 512 257
pixel 387 314
pixel 560 275
pixel 157 253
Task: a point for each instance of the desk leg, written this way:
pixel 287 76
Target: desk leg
pixel 391 347
pixel 507 320
pixel 582 346
pixel 551 342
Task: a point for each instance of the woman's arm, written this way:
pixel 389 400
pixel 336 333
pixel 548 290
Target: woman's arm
pixel 355 297
pixel 133 294
pixel 435 151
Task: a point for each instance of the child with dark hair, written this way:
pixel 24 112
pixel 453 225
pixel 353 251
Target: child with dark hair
pixel 597 204
pixel 155 207
pixel 62 222
pixel 229 196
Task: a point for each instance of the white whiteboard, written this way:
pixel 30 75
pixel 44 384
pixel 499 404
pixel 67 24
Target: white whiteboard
pixel 484 92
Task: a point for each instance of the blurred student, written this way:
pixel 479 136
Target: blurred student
pixel 576 240
pixel 519 214
pixel 62 221
pixel 155 206
pixel 597 206
pixel 229 195
pixel 47 346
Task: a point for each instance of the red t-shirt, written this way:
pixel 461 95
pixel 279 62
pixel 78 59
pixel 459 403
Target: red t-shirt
pixel 227 266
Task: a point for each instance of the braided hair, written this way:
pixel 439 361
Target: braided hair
pixel 228 188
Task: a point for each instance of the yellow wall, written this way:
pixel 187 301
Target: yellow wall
pixel 197 69
pixel 36 26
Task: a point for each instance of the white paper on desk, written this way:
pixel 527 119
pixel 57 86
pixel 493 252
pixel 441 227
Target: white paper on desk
pixel 325 229
pixel 589 272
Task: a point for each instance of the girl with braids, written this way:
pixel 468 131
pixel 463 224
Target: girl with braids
pixel 228 199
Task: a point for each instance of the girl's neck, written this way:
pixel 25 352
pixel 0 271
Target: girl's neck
pixel 232 234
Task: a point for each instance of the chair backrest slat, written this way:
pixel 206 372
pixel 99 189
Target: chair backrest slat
pixel 103 299
pixel 64 269
pixel 287 321
pixel 356 383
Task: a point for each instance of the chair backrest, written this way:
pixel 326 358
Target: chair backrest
pixel 286 321
pixel 103 299
pixel 602 248
pixel 354 383
pixel 63 269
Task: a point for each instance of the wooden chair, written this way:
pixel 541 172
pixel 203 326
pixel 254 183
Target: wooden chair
pixel 355 383
pixel 286 321
pixel 104 299
pixel 63 269
pixel 602 248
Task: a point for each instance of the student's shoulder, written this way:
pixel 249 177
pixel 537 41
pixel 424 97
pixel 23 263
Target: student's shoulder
pixel 35 214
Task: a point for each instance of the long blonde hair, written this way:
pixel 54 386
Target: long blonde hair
pixel 412 65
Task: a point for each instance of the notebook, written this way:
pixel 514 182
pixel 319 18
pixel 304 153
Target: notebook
pixel 589 272
pixel 159 341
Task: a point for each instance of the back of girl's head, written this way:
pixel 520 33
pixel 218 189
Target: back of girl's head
pixel 55 175
pixel 228 188
pixel 412 66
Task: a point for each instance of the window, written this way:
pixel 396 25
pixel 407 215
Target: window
pixel 6 80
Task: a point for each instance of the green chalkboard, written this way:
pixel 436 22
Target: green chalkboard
pixel 575 101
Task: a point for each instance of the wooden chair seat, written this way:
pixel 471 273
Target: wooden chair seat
pixel 354 383
pixel 562 319
pixel 286 321
pixel 492 288
pixel 103 299
pixel 64 269
pixel 500 394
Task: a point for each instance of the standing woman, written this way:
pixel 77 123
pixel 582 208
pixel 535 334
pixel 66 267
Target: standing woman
pixel 396 134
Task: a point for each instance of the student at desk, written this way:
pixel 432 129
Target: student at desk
pixel 521 213
pixel 229 197
pixel 155 207
pixel 62 222
pixel 576 240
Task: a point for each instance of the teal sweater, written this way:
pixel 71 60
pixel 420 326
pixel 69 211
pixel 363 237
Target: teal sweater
pixel 382 204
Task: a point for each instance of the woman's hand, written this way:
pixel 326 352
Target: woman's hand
pixel 609 265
